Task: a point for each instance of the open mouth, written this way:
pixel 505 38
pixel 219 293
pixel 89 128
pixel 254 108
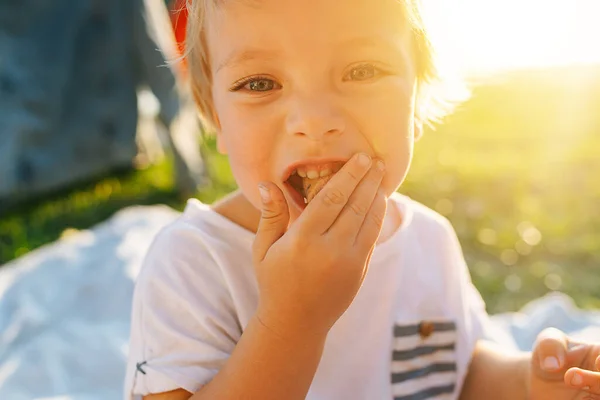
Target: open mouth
pixel 308 180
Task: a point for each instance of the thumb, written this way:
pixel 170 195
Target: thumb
pixel 550 354
pixel 273 221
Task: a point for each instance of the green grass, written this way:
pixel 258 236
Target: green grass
pixel 36 223
pixel 515 169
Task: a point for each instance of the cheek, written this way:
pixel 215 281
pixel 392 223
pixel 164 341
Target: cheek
pixel 388 124
pixel 250 148
pixel 250 160
pixel 249 169
pixel 247 130
pixel 397 163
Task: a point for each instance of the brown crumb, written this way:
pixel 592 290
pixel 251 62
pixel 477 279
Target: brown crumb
pixel 312 187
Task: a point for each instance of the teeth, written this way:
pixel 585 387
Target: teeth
pixel 314 171
pixel 325 172
pixel 312 174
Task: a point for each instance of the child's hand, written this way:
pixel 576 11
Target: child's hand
pixel 309 275
pixel 563 369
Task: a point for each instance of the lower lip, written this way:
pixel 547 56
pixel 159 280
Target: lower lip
pixel 296 198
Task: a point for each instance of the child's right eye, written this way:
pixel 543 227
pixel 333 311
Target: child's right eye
pixel 255 84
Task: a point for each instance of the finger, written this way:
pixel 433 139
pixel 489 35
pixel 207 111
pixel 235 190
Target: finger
pixel 352 216
pixel 323 210
pixel 597 363
pixel 274 219
pixel 583 379
pixel 371 228
pixel 364 274
pixel 550 353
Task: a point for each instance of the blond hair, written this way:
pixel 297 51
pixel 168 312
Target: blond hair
pixel 432 102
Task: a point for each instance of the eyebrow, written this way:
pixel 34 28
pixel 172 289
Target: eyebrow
pixel 371 41
pixel 366 41
pixel 237 58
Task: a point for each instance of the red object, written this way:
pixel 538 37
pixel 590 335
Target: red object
pixel 179 17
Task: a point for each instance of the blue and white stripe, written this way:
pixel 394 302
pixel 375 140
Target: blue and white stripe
pixel 424 368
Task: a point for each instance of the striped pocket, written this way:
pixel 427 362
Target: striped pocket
pixel 424 361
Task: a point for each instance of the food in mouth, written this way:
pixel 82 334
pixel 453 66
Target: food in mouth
pixel 310 180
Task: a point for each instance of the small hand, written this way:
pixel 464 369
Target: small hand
pixel 309 274
pixel 564 369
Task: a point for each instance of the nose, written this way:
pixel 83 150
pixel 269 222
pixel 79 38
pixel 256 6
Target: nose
pixel 314 117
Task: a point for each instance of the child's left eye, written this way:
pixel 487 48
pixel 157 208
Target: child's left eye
pixel 362 73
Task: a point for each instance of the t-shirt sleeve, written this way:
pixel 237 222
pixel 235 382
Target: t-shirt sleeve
pixel 184 325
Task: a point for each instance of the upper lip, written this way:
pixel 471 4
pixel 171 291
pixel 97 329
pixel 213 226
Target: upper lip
pixel 310 161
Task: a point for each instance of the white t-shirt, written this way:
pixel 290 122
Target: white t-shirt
pixel 408 334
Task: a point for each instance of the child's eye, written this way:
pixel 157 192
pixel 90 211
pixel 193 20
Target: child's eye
pixel 256 84
pixel 362 73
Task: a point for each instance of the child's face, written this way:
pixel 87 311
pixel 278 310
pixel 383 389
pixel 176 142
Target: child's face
pixel 311 81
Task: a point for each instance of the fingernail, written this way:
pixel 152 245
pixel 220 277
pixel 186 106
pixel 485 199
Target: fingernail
pixel 265 195
pixel 363 159
pixel 550 363
pixel 380 166
pixel 576 380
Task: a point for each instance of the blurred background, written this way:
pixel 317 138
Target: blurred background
pixel 516 168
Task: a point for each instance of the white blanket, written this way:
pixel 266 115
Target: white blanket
pixel 65 309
